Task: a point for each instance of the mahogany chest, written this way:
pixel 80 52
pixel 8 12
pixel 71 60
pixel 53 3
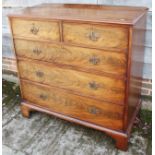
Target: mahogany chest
pixel 82 63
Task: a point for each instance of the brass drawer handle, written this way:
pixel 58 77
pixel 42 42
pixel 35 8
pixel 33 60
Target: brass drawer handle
pixel 94 60
pixel 43 97
pixel 94 110
pixel 37 51
pixel 39 74
pixel 34 30
pixel 93 36
pixel 93 85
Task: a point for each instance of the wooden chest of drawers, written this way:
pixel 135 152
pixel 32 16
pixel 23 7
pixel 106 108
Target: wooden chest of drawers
pixel 78 62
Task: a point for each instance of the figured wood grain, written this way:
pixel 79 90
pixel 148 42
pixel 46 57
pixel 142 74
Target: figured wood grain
pixel 93 60
pixel 99 36
pixel 61 79
pixel 99 87
pixel 35 29
pixel 101 113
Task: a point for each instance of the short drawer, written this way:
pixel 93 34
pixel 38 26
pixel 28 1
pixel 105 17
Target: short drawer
pixel 86 84
pixel 82 108
pixel 100 61
pixel 43 30
pixel 100 36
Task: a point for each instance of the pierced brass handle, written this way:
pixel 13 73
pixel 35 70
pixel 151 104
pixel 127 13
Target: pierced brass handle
pixel 34 30
pixel 39 74
pixel 94 60
pixel 93 36
pixel 94 110
pixel 93 85
pixel 37 51
pixel 43 97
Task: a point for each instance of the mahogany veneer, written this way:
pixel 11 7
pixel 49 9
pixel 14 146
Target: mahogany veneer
pixel 77 62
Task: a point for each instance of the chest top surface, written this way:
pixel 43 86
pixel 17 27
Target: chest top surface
pixel 84 12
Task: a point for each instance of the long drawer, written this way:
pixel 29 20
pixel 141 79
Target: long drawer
pixel 93 60
pixel 100 113
pixel 99 36
pixel 43 30
pixel 86 84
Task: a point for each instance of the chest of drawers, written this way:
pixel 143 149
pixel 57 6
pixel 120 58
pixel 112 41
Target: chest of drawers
pixel 79 63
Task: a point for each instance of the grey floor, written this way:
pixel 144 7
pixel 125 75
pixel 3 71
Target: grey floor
pixel 47 135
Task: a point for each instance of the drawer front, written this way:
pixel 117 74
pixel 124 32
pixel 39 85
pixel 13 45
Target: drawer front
pixel 43 30
pixel 100 113
pixel 94 35
pixel 99 87
pixel 82 58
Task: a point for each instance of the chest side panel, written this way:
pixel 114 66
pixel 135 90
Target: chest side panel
pixel 137 33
